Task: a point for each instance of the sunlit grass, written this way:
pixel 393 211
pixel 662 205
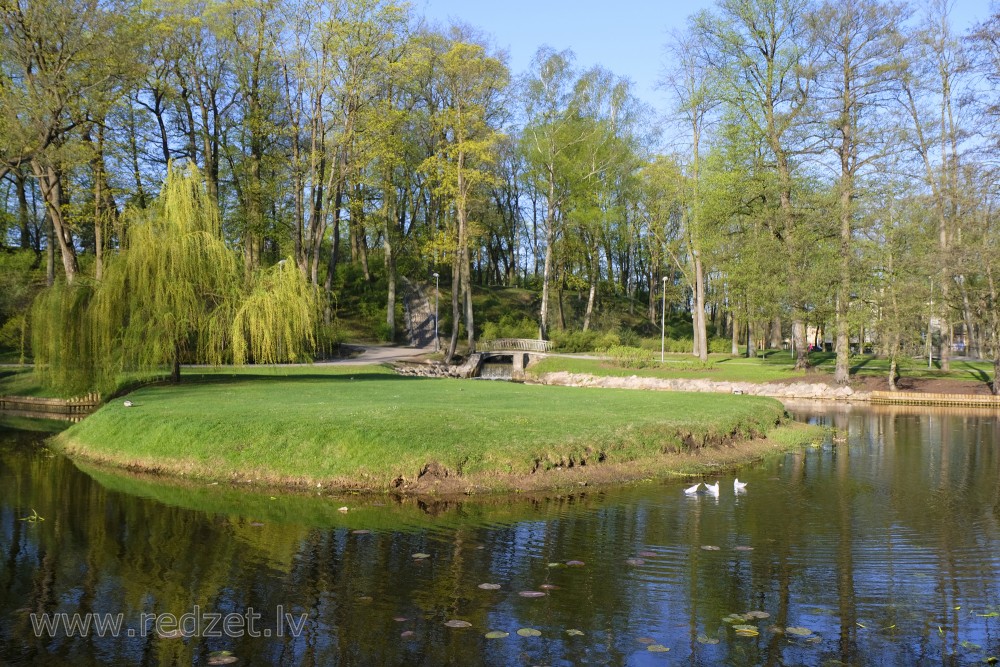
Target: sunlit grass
pixel 372 426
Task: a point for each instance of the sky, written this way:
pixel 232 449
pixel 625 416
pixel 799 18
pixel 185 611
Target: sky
pixel 625 36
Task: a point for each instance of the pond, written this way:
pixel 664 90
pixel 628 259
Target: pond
pixel 881 547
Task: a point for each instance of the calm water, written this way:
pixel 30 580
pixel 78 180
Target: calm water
pixel 882 549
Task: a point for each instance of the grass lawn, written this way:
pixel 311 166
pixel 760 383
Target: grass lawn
pixel 775 366
pixel 365 427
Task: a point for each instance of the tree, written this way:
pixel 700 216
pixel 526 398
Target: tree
pixel 860 43
pixel 763 55
pixel 175 293
pixel 470 82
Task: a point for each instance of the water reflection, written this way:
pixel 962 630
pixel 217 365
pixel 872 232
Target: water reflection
pixel 881 547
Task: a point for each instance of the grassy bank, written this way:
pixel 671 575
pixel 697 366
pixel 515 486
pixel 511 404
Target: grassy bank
pixel 369 428
pixel 774 367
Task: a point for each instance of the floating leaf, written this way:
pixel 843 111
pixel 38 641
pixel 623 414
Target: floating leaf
pixel 647 554
pixel 970 646
pixel 573 632
pixel 170 634
pixel 757 614
pixel 813 640
pixel 705 639
pixel 575 563
pixel 531 594
pixel 556 565
pixel 742 548
pixel 657 648
pixel 420 556
pixel 221 658
pixel 799 631
pixel 989 615
pixel 360 532
pixel 744 628
pixel 490 587
pixel 496 634
pixel 400 619
pixel 406 634
pixel 635 561
pixel 529 632
pixel 710 547
pixel 548 587
pixel 646 640
pixel 747 633
pixel 455 623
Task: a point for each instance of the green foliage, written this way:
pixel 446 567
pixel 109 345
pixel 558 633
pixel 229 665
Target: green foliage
pixel 630 357
pixel 566 340
pixel 175 293
pixel 510 326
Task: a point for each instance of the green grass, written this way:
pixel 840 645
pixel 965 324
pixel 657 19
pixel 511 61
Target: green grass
pixel 774 367
pixel 366 427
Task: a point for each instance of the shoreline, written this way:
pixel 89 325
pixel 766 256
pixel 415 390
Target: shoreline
pixel 700 462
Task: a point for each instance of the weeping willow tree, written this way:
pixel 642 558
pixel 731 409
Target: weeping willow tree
pixel 61 338
pixel 175 293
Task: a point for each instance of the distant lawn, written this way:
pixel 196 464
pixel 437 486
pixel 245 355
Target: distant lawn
pixel 774 366
pixel 365 427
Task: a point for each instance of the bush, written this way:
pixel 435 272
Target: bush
pixel 510 327
pixel 630 357
pixel 565 340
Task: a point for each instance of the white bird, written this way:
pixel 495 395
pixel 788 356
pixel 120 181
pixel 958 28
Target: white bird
pixel 738 485
pixel 713 488
pixel 692 490
pixel 128 404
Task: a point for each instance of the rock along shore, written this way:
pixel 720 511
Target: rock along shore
pixel 806 390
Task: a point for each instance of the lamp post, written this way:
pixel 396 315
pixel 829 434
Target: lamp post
pixel 663 320
pixel 437 344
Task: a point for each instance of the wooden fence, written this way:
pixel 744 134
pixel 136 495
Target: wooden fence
pixel 946 400
pixel 72 409
pixel 514 345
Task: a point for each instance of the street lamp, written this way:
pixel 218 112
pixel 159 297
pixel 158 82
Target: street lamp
pixel 663 320
pixel 437 344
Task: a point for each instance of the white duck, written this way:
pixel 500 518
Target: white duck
pixel 738 485
pixel 693 490
pixel 713 488
pixel 128 404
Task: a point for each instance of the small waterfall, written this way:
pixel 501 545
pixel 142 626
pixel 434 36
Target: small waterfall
pixel 496 369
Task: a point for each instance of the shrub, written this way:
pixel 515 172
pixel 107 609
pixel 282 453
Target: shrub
pixel 630 357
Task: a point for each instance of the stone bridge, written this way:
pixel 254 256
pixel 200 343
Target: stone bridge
pixel 522 352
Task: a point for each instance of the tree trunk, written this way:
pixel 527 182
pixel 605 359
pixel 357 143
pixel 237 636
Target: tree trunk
pixel 543 317
pixel 456 314
pixel 700 331
pixel 776 342
pixel 735 332
pixel 50 183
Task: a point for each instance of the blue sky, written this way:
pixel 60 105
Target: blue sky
pixel 624 36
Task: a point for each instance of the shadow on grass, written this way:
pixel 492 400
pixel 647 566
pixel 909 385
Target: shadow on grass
pixel 188 379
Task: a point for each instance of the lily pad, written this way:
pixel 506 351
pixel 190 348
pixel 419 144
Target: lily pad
pixel 747 633
pixel 647 554
pixel 222 660
pixel 710 547
pixel 400 619
pixel 575 563
pixel 799 631
pixel 556 565
pixel 742 548
pixel 420 556
pixel 635 561
pixel 744 627
pixel 529 632
pixel 490 587
pixel 705 639
pixel 548 587
pixel 757 614
pixel 361 531
pixel 646 640
pixel 657 648
pixel 531 594
pixel 455 623
pixel 573 632
pixel 170 634
pixel 407 634
pixel 496 634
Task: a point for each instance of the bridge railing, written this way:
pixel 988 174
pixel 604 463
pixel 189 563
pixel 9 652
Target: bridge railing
pixel 514 345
